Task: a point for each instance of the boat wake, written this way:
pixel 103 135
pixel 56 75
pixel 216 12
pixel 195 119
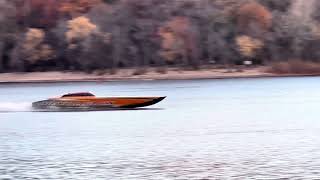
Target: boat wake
pixel 7 107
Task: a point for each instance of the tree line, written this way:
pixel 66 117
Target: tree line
pixel 88 35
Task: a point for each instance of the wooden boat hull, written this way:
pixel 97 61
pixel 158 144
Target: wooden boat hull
pixel 96 103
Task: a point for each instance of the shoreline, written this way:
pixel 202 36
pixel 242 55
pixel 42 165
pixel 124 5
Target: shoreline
pixel 150 75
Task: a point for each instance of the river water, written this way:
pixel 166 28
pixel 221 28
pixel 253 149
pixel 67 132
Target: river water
pixel 206 129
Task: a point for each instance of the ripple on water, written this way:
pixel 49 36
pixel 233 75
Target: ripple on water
pixel 233 129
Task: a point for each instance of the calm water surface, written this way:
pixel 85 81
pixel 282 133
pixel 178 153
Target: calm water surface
pixel 208 129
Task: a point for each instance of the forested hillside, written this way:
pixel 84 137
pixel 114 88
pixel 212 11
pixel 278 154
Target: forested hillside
pixel 87 35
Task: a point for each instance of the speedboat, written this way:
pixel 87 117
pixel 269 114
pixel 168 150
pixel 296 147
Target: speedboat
pixel 85 100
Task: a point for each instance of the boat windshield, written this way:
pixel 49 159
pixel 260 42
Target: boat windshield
pixel 78 94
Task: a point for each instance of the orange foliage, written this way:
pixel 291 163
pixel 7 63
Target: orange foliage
pixel 179 25
pixel 76 7
pixel 34 48
pixel 45 13
pixel 175 38
pixel 172 45
pixel 179 41
pixel 253 17
pixel 248 45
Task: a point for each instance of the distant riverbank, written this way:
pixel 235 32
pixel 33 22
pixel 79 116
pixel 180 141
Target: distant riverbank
pixel 150 74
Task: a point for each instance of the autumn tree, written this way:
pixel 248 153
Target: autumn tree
pixel 74 8
pixel 179 41
pixel 248 46
pixel 253 19
pixel 34 48
pixel 79 29
pixel 85 42
pixel 94 34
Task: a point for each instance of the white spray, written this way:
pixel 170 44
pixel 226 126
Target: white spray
pixel 15 107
